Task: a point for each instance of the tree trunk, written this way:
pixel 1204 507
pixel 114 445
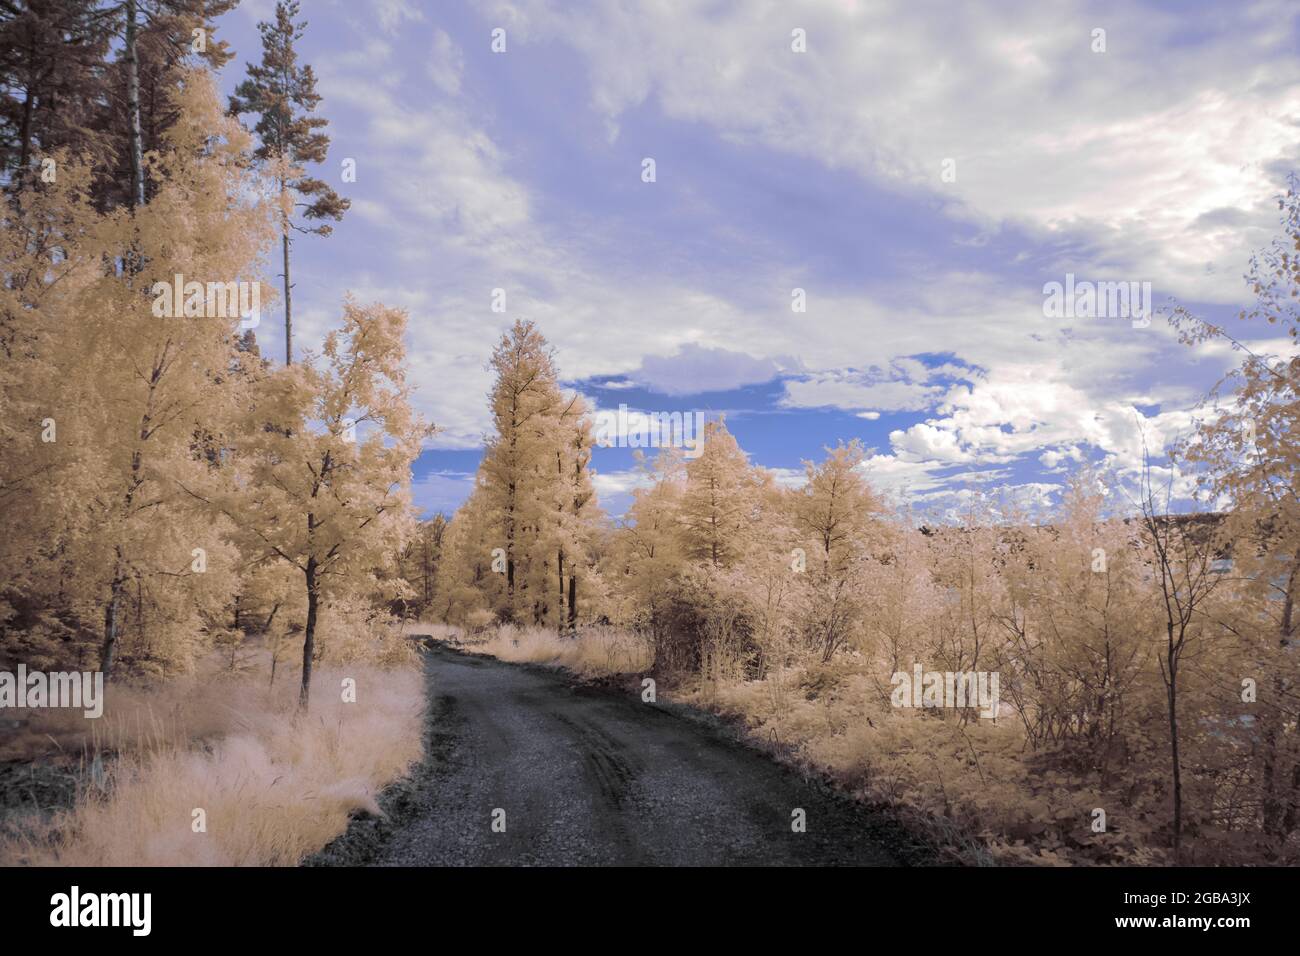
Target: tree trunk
pixel 288 311
pixel 1278 822
pixel 428 578
pixel 1173 747
pixel 559 574
pixel 573 603
pixel 309 638
pixel 25 136
pixel 109 650
pixel 136 192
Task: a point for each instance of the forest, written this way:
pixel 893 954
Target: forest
pixel 229 538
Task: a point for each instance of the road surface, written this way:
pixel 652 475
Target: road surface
pixel 525 766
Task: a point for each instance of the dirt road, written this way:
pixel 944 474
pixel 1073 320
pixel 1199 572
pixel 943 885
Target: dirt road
pixel 525 767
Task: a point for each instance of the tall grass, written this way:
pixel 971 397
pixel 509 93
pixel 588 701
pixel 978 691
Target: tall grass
pixel 274 785
pixel 592 652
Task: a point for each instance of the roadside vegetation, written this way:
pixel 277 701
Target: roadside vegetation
pixel 216 769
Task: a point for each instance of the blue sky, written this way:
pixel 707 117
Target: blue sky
pixel 920 176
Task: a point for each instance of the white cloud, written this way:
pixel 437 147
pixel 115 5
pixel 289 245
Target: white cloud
pixel 612 483
pixel 1133 149
pixel 1152 166
pixel 1018 410
pixel 446 63
pixel 904 386
pixel 694 368
pixel 441 491
pixel 392 14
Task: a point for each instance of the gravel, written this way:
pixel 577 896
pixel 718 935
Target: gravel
pixel 591 775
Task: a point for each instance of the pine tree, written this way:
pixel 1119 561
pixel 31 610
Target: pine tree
pixel 519 470
pixel 160 41
pixel 648 552
pixel 419 563
pixel 522 545
pixel 283 96
pixel 467 583
pixel 575 508
pixel 52 69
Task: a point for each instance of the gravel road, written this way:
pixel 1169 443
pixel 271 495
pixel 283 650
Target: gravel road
pixel 594 776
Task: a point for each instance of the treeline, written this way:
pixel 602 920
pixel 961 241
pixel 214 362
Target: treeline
pixel 166 490
pixel 1146 660
pixel 99 79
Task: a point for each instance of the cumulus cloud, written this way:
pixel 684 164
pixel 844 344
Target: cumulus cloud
pixel 1020 409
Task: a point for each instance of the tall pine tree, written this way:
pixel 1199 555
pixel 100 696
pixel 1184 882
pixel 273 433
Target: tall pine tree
pixel 282 94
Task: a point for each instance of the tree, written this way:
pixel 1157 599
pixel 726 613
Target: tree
pixel 52 71
pixel 834 511
pixel 125 428
pixel 575 508
pixel 1250 449
pixel 160 41
pixel 648 556
pixel 419 562
pixel 201 224
pixel 717 500
pixel 50 243
pixel 1186 581
pixel 466 583
pixel 520 476
pixel 836 506
pixel 1077 623
pixel 315 490
pixel 523 542
pixel 283 96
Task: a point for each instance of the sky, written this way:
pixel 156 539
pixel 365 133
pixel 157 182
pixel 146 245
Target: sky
pixel 914 174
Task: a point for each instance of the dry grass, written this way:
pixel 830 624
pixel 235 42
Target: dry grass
pixel 593 652
pixel 274 785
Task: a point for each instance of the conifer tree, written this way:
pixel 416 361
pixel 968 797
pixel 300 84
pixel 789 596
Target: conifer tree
pixel 52 69
pixel 577 511
pixel 282 95
pixel 718 500
pixel 159 41
pixel 519 471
